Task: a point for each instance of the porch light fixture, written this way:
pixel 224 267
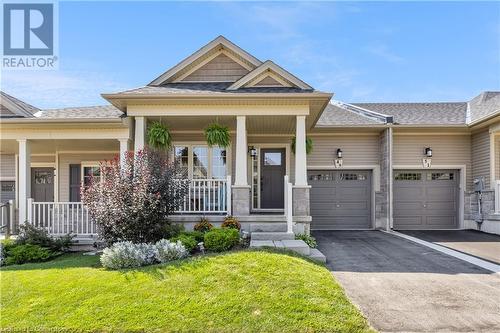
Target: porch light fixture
pixel 428 152
pixel 339 153
pixel 252 151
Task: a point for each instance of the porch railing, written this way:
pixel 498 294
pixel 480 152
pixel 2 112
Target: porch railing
pixel 8 218
pixel 207 196
pixel 61 218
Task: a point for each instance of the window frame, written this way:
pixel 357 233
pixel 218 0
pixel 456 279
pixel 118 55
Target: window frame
pixel 191 145
pixel 83 165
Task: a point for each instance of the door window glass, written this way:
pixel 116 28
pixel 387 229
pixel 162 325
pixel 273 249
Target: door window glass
pixel 272 159
pixel 181 155
pixel 407 176
pixel 440 176
pixel 352 176
pixel 43 177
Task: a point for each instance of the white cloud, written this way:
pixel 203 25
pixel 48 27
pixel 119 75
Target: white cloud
pixel 53 89
pixel 382 51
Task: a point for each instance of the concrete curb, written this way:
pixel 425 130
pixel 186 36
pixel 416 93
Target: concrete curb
pixel 459 255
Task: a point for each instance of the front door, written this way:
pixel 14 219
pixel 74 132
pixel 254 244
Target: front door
pixel 272 178
pixel 42 184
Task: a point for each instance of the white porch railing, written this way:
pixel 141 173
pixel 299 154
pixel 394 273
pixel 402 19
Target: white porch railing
pixel 208 196
pixel 61 218
pixel 497 196
pixel 288 205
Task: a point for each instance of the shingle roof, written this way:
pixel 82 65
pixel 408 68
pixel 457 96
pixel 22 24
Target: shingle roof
pixel 335 115
pixel 12 107
pixel 86 112
pixel 205 88
pixel 453 113
pixel 484 105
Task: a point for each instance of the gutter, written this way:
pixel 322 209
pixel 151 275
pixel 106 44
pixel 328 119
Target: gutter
pixel 364 112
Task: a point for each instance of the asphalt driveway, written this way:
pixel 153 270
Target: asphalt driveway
pixel 402 286
pixel 478 244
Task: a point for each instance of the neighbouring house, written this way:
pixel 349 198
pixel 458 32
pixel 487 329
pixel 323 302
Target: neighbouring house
pixel 373 165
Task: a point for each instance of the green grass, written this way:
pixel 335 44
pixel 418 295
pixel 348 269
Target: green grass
pixel 246 291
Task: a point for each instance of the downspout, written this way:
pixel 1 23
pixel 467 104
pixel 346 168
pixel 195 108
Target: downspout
pixel 390 206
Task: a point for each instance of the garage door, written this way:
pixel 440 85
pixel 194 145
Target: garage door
pixel 426 199
pixel 340 199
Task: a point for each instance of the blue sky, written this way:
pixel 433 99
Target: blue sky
pixel 361 51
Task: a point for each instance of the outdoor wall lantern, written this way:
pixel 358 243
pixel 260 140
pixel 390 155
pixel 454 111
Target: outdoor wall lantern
pixel 338 161
pixel 339 153
pixel 428 152
pixel 252 151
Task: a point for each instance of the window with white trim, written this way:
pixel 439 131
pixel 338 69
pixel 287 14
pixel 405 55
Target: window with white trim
pixel 89 172
pixel 201 161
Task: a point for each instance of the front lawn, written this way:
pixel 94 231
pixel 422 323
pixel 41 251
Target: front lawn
pixel 247 291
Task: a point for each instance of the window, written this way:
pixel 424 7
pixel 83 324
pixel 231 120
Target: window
pixel 8 186
pixel 201 162
pixel 272 159
pixel 91 172
pixel 43 177
pixel 407 176
pixel 440 176
pixel 352 176
pixel 8 190
pixel 181 155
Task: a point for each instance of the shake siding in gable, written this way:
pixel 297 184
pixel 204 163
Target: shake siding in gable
pixel 481 156
pixel 446 149
pixel 220 69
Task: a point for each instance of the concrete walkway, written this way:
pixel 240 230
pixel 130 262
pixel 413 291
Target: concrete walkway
pixel 402 286
pixel 475 243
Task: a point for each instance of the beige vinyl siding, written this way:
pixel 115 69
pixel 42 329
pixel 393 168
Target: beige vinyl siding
pixel 497 158
pixel 220 69
pixel 66 159
pixel 357 150
pixel 447 150
pixel 43 159
pixel 271 142
pixel 481 156
pixel 7 167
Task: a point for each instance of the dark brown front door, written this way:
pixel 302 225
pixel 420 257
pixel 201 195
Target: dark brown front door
pixel 42 184
pixel 272 178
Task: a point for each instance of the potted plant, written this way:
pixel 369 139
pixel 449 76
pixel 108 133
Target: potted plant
pixel 159 136
pixel 217 135
pixel 309 145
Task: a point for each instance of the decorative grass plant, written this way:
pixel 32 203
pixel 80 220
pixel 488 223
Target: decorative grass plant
pixel 309 145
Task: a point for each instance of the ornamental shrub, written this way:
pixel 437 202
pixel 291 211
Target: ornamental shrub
pixel 29 234
pixel 168 251
pixel 20 254
pixel 203 225
pixel 219 240
pixel 308 239
pixel 188 241
pixel 132 202
pixel 127 254
pixel 231 222
pixel 197 235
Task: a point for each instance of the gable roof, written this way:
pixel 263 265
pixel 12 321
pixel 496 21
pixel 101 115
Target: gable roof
pixel 11 107
pixel 269 66
pixel 217 44
pixel 485 105
pixel 337 115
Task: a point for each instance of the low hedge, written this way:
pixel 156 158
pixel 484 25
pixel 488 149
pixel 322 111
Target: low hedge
pixel 218 240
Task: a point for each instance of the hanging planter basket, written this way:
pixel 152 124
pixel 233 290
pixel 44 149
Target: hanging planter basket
pixel 159 136
pixel 217 135
pixel 309 145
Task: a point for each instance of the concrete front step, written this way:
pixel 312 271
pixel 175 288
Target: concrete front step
pixel 294 245
pixel 272 236
pixel 268 227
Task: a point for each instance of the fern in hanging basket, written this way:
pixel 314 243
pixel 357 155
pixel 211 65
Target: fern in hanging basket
pixel 159 136
pixel 217 135
pixel 309 145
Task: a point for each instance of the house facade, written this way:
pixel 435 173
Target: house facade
pixel 373 165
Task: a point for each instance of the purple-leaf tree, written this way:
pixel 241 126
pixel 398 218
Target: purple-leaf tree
pixel 132 201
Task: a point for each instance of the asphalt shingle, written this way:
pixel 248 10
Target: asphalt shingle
pixel 86 112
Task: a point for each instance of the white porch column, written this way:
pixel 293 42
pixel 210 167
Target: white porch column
pixel 123 151
pixel 140 133
pixel 241 152
pixel 300 152
pixel 24 178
